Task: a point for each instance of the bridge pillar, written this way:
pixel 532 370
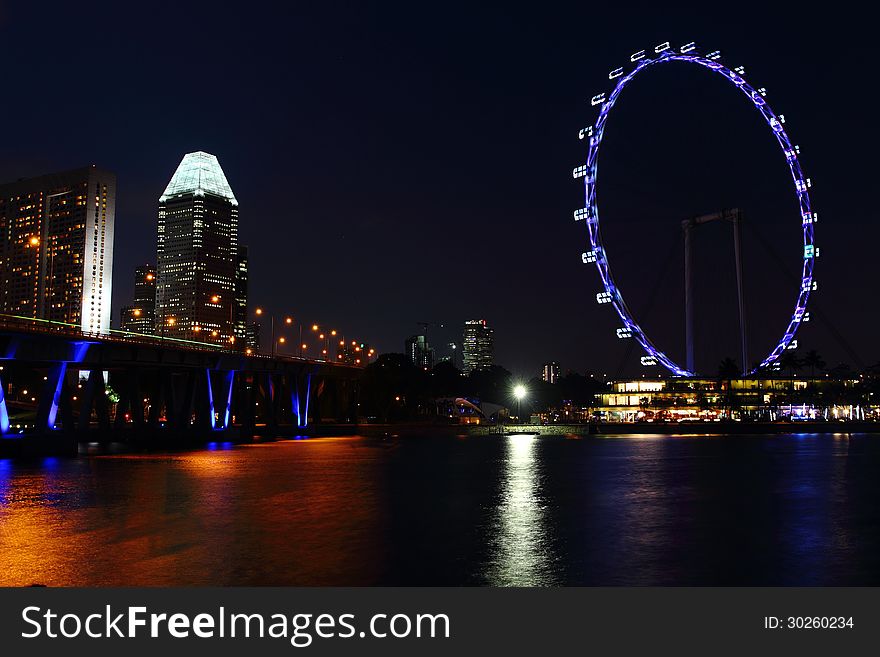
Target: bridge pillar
pixel 300 397
pixel 271 404
pixel 220 398
pixel 4 413
pixel 131 399
pixel 244 407
pixel 183 412
pixel 94 394
pixel 51 398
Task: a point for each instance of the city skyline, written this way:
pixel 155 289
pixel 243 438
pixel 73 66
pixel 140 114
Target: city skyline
pixel 314 183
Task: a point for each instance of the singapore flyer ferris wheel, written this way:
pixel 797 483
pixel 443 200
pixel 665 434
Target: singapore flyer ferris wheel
pixel 589 214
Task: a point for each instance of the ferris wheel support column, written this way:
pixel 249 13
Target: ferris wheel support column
pixel 736 218
pixel 686 227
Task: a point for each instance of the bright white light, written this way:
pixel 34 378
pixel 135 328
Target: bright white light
pixel 519 391
pixel 580 215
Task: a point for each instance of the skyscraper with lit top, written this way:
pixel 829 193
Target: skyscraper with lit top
pixel 197 254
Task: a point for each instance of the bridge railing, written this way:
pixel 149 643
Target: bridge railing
pixel 38 325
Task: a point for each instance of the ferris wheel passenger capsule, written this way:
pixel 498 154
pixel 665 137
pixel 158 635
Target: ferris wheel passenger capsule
pixel 663 46
pixel 598 99
pixel 616 73
pixel 648 361
pixel 762 91
pixel 636 56
pixel 806 317
pixel 624 333
pixel 792 345
pixel 585 132
pixel 579 172
pixel 740 69
pixel 580 215
pixel 715 54
pixel 588 257
pixel 688 47
pixel 603 297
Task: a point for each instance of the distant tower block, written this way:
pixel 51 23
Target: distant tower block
pixel 478 345
pixel 56 250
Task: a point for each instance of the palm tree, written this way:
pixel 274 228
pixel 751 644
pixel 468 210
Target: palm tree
pixel 789 361
pixel 727 371
pixel 814 361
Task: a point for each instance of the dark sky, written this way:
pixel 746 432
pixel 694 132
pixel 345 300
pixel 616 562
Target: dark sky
pixel 406 162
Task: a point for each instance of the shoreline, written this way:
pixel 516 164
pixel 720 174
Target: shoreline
pixel 64 445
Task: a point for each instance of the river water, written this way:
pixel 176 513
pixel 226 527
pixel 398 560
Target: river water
pixel 452 510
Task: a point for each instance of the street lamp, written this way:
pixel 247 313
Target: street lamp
pixel 287 320
pixel 323 336
pixel 519 393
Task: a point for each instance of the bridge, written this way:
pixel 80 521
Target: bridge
pixel 60 385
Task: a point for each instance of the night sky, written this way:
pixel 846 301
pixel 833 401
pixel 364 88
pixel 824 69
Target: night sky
pixel 411 162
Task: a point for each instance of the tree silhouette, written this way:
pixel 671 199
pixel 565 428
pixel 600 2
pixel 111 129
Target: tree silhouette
pixel 789 361
pixel 728 370
pixel 814 361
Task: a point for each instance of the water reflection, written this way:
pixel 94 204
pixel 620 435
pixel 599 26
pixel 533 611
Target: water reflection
pixel 522 553
pixel 447 510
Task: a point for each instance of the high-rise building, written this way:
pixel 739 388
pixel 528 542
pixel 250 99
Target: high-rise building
pixel 550 372
pixel 419 351
pixel 140 317
pixel 56 247
pixel 252 337
pixel 241 294
pixel 478 345
pixel 197 255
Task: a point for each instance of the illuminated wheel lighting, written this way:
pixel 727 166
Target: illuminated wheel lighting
pixel 589 214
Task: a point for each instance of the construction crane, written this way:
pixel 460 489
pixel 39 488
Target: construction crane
pixel 425 326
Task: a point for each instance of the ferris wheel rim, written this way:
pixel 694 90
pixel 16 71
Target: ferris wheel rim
pixel 590 212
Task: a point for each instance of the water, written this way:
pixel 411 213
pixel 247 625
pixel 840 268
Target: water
pixel 453 510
